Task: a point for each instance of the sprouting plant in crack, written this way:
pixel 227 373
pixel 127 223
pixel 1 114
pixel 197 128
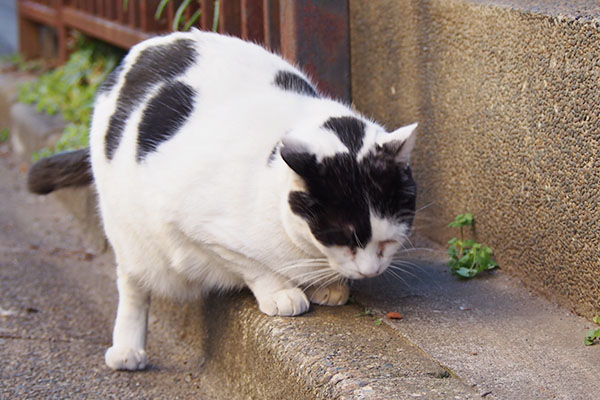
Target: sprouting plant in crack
pixel 593 335
pixel 468 257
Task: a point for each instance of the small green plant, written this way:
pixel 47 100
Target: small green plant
pixel 178 18
pixel 4 135
pixel 16 62
pixel 468 257
pixel 365 312
pixel 70 90
pixel 593 335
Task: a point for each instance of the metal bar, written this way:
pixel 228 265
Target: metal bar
pixel 40 13
pixel 130 13
pixel 208 10
pixel 271 24
pixel 230 17
pixel 315 34
pixel 252 20
pixel 117 34
pixel 62 33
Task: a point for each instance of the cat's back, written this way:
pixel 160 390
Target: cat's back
pixel 216 83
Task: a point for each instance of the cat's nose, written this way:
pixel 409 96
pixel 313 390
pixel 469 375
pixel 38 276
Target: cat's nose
pixel 369 270
pixel 367 265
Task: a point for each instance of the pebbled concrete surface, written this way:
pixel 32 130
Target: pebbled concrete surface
pixel 507 95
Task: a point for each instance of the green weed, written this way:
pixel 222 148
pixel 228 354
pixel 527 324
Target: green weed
pixel 4 135
pixel 468 257
pixel 593 335
pixel 70 90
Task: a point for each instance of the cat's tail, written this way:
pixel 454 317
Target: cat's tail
pixel 71 168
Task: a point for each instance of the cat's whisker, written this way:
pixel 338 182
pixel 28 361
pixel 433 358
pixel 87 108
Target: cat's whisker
pixel 397 276
pixel 301 260
pixel 310 276
pixel 407 250
pixel 404 271
pixel 306 264
pixel 426 206
pixel 403 263
pixel 330 276
pixel 329 281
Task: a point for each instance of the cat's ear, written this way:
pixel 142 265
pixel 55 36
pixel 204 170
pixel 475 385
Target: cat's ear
pixel 400 142
pixel 297 156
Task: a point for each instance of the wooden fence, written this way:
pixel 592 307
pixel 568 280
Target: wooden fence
pixel 312 33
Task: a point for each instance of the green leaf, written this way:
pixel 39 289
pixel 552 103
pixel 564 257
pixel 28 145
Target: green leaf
pixel 379 321
pixel 466 272
pixel 215 26
pixel 192 20
pixel 597 319
pixel 160 8
pixel 591 336
pixel 469 243
pixel 462 220
pixel 179 14
pixel 4 135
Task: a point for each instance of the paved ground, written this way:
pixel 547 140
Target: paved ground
pixel 56 307
pixel 486 338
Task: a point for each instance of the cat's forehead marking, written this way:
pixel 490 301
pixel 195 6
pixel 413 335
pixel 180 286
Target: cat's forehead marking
pixel 293 82
pixel 163 116
pixel 343 194
pixel 350 131
pixel 153 65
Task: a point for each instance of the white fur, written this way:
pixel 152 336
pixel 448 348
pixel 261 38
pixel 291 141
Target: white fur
pixel 205 211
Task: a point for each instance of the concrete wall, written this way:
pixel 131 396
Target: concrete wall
pixel 508 100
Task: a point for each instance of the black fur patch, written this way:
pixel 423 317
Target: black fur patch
pixel 111 80
pixel 350 130
pixel 334 206
pixel 293 82
pixel 153 66
pixel 164 116
pixel 342 192
pixel 391 189
pixel 273 154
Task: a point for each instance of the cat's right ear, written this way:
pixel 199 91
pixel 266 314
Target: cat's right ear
pixel 297 156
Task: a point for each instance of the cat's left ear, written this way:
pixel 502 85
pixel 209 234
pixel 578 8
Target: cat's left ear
pixel 400 142
pixel 298 157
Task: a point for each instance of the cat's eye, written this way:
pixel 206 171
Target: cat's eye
pixel 382 245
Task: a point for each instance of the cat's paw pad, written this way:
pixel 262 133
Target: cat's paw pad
pixel 286 302
pixel 126 358
pixel 333 295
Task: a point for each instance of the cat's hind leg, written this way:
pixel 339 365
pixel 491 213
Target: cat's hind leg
pixel 128 351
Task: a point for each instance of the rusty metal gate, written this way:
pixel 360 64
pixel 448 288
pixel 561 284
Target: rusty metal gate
pixel 311 33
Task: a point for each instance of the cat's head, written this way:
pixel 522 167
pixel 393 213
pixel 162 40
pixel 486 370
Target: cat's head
pixel 353 192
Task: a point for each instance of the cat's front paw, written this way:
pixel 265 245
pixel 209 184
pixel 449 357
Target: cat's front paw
pixel 126 358
pixel 286 302
pixel 335 294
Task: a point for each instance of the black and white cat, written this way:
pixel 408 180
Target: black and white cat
pixel 218 165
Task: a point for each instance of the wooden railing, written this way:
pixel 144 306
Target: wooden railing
pixel 312 33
